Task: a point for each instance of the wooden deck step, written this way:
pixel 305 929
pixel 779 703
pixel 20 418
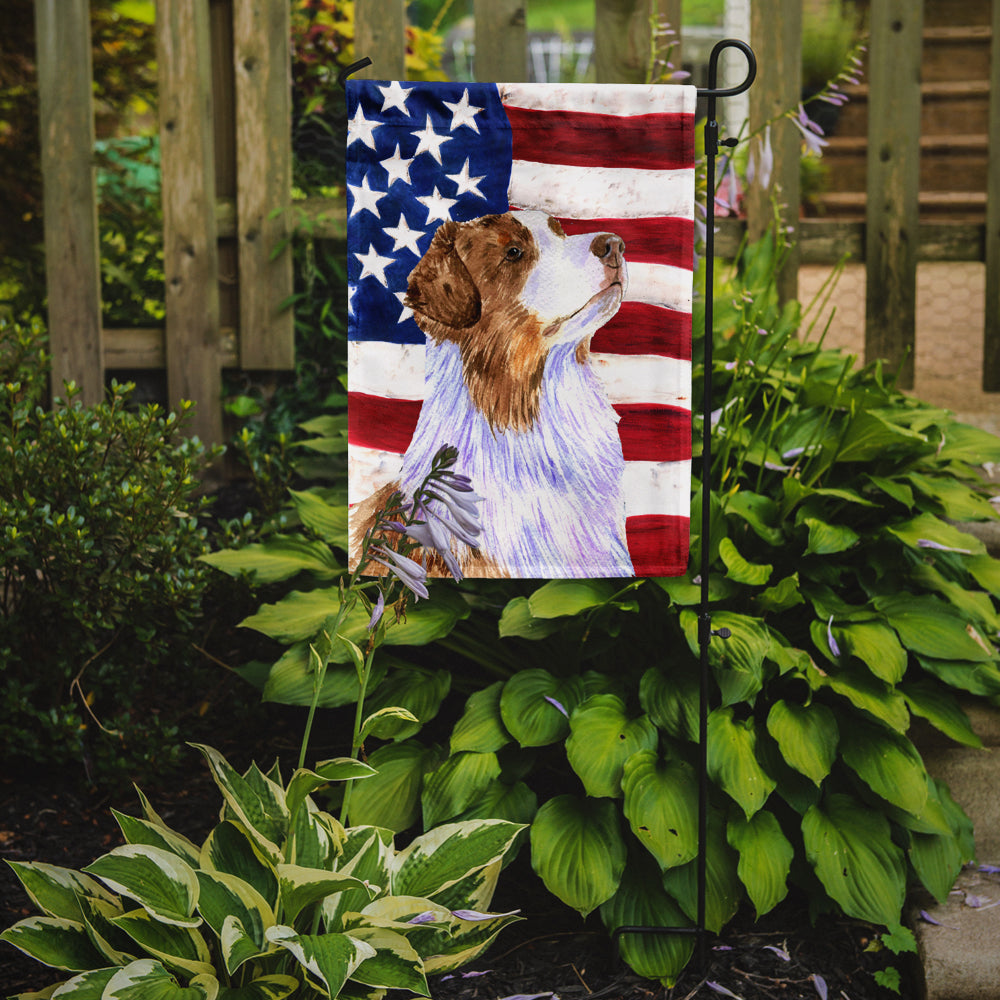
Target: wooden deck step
pixel 945 104
pixel 958 206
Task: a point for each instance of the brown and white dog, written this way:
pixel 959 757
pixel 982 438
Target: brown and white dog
pixel 509 304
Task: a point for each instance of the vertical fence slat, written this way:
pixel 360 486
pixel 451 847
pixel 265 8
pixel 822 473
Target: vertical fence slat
pixel 776 34
pixel 501 40
pixel 380 34
pixel 621 40
pixel 261 56
pixel 72 256
pixel 190 253
pixel 991 332
pixel 893 183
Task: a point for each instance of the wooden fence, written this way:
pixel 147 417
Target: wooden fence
pixel 226 160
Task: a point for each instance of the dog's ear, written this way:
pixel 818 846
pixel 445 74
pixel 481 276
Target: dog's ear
pixel 440 286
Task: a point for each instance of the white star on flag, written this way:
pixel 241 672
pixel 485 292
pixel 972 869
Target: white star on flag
pixel 403 236
pixel 360 128
pixel 395 97
pixel 397 168
pixel 437 205
pixel 430 141
pixel 365 197
pixel 372 263
pixel 407 311
pixel 463 113
pixel 467 184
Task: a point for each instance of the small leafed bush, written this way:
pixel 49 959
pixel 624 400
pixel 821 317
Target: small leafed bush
pixel 280 899
pixel 99 574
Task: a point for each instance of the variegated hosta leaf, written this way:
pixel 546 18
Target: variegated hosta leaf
pixel 116 946
pixel 158 880
pixel 395 964
pixel 86 986
pixel 578 851
pixel 256 801
pixel 329 959
pixel 56 891
pixel 481 727
pixel 315 838
pixel 456 784
pixel 642 902
pixel 602 737
pixel 274 987
pixel 225 897
pixel 475 891
pixel 230 849
pixel 723 890
pixel 147 979
pixel 765 858
pixel 141 831
pixel 367 853
pixel 732 760
pixel 177 947
pixel 661 799
pixel 850 847
pixel 300 887
pixel 468 939
pixel 441 857
pixel 304 782
pixel 54 941
pixel 807 736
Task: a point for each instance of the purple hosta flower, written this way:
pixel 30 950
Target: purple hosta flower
pixel 377 612
pixel 927 543
pixel 780 952
pixel 431 533
pixel 475 915
pixel 465 975
pixel 820 983
pixel 456 493
pixel 811 132
pixel 989 869
pixel 427 917
pixel 411 574
pixel 761 163
pixel 834 648
pixel 719 988
pixel 558 705
pixel 727 198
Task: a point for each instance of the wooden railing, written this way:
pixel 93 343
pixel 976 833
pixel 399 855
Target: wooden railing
pixel 226 155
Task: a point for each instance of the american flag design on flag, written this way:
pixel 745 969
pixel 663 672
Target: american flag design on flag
pixel 597 442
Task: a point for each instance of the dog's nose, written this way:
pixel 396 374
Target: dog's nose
pixel 609 248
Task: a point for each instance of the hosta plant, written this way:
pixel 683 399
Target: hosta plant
pixel 855 605
pixel 279 900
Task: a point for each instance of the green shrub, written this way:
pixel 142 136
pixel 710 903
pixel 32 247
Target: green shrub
pixel 99 546
pixel 280 899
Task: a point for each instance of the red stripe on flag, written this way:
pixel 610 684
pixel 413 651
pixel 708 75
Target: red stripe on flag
pixel 653 433
pixel 658 544
pixel 584 139
pixel 650 240
pixel 639 328
pixel 381 423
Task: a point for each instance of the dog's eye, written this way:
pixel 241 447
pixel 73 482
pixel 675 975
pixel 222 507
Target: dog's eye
pixel 513 253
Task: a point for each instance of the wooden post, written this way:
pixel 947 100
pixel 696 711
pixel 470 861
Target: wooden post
pixel 501 41
pixel 776 34
pixel 72 255
pixel 262 60
pixel 622 40
pixel 893 183
pixel 380 34
pixel 991 333
pixel 190 253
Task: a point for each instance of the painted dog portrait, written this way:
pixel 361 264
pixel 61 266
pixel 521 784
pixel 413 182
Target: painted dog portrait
pixel 509 304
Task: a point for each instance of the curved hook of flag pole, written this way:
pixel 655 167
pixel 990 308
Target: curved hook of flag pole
pixel 346 71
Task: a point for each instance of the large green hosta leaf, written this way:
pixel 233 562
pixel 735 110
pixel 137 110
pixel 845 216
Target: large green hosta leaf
pixel 926 528
pixel 481 727
pixel 671 700
pixel 569 597
pixel 807 736
pixel 535 706
pixel 932 628
pixel 391 798
pixel 888 763
pixel 732 760
pixel 416 689
pixel 456 784
pixel 661 806
pixel 641 901
pixel 941 709
pixel 738 661
pixel 602 738
pixel 278 558
pixel 850 848
pixel 765 858
pixel 876 646
pixel 578 851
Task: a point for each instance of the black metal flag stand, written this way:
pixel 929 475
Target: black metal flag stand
pixel 705 631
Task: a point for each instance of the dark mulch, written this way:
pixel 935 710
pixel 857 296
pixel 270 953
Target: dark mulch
pixel 551 951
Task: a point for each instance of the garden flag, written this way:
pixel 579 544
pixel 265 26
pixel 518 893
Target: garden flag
pixel 520 279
